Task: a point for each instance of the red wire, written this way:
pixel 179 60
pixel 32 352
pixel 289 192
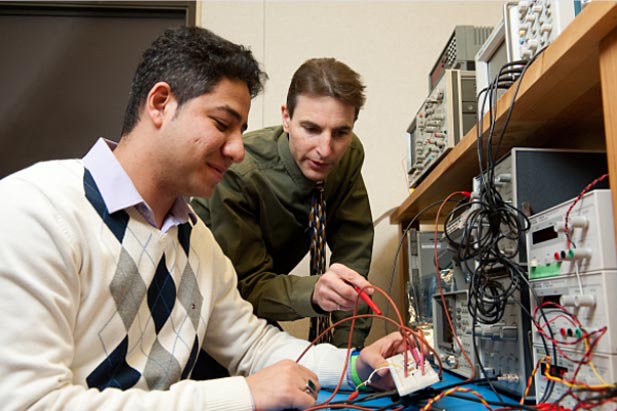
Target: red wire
pixel 405 332
pixel 576 200
pixel 592 338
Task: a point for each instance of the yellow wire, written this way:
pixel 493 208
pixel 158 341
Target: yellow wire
pixel 430 402
pixel 576 385
pixel 531 377
pixel 593 367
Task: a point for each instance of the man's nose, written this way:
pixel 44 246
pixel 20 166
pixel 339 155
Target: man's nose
pixel 325 145
pixel 234 147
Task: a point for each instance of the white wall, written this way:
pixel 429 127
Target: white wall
pixel 392 44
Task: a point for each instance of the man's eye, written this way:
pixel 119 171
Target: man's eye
pixel 221 125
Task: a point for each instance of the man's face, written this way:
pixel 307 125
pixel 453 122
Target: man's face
pixel 204 137
pixel 319 133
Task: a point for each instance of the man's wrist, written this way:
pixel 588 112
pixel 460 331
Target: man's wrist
pixel 301 298
pixel 353 378
pixel 316 306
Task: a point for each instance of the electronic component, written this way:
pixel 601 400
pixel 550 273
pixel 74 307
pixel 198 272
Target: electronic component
pixel 409 140
pixel 489 59
pixel 502 347
pixel 492 57
pixel 537 23
pixel 416 377
pixel 573 279
pixel 459 52
pixel 445 116
pixel 592 240
pixel 423 274
pixel 589 298
pixel 534 179
pixel 605 367
pixel 445 344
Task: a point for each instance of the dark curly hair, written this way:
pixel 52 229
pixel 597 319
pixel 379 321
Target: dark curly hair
pixel 192 60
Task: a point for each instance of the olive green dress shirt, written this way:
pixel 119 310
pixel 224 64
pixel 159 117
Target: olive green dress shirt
pixel 259 215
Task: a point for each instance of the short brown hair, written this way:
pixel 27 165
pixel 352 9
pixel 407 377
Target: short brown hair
pixel 326 77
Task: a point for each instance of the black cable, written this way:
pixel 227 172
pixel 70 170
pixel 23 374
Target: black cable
pixel 475 381
pixel 490 221
pixel 518 86
pixel 550 385
pixel 400 245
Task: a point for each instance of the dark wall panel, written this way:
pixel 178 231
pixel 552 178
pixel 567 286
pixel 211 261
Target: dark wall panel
pixel 65 75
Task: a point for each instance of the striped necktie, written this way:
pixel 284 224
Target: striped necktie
pixel 317 230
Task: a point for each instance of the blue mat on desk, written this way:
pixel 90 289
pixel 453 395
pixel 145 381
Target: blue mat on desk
pixel 449 403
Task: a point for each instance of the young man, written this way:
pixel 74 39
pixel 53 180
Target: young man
pixel 110 285
pixel 259 212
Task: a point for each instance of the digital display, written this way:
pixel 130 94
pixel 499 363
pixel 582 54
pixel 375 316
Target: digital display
pixel 549 298
pixel 446 332
pixel 545 234
pixel 443 333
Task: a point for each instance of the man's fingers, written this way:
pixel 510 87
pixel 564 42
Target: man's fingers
pixel 351 277
pixel 340 288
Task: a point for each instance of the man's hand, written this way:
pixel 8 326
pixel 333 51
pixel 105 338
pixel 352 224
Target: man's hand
pixel 283 385
pixel 374 356
pixel 335 288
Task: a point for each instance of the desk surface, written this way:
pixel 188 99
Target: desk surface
pixel 447 403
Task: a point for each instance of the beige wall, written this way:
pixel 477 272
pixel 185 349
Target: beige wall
pixel 392 44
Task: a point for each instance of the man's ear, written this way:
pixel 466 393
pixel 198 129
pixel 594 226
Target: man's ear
pixel 286 118
pixel 158 102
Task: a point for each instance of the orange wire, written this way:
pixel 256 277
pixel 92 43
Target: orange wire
pixel 576 200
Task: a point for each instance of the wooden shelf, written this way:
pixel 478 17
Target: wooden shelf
pixel 559 104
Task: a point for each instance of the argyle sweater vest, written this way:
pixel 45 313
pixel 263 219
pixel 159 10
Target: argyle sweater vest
pixel 157 302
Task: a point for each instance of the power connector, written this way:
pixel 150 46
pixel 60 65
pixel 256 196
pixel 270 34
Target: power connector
pixel 417 377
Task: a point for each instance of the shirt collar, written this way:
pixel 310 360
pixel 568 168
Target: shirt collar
pixel 119 192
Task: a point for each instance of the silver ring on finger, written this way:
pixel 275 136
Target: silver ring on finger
pixel 310 387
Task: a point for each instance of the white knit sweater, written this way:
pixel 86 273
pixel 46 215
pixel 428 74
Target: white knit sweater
pixel 102 312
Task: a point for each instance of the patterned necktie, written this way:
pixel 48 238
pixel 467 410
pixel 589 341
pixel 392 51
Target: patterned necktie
pixel 317 230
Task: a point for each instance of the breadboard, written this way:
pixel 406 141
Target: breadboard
pixel 416 379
